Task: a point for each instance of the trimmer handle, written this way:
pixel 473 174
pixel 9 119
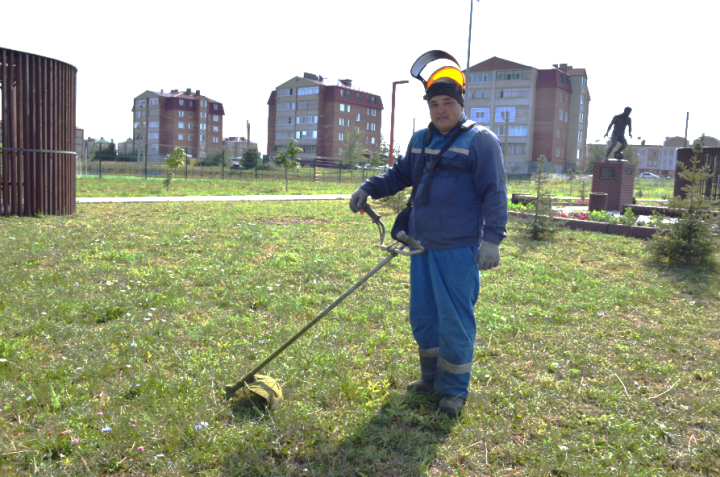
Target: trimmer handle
pixel 371 213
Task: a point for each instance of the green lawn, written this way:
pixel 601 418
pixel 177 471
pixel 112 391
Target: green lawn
pixel 121 325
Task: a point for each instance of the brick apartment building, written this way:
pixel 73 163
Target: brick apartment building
pixel 238 145
pixel 185 119
pixel 319 114
pixel 532 112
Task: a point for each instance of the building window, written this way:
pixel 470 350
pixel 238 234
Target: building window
pixel 582 99
pixel 480 77
pixel 138 114
pixel 499 130
pixel 203 103
pixel 341 136
pixel 360 96
pixel 372 140
pixel 284 92
pixel 578 153
pixel 283 135
pixel 154 147
pixel 372 126
pixel 181 114
pixel 367 126
pixel 154 136
pixel 513 75
pixel 517 130
pixel 342 122
pixel 216 128
pixel 180 137
pixel 583 81
pixel 567 114
pixel 374 112
pixel 368 111
pixel 307 104
pixel 216 107
pixel 479 94
pixel 511 93
pixel 305 134
pixel 285 106
pixel 216 117
pixel 581 117
pixel 215 139
pixel 480 115
pixel 558 134
pixel 190 114
pixel 340 149
pixel 203 115
pixel 181 125
pixel 358 117
pixel 203 126
pixel 515 148
pixel 192 103
pixel 580 136
pixel 561 96
pixel 281 120
pixel 505 114
pixel 562 79
pixel 189 137
pixel 557 152
pixel 153 101
pixel 154 112
pixel 560 115
pixel 137 125
pixel 308 90
pixel 190 125
pixel 182 102
pixel 202 137
pixel 140 102
pixel 307 120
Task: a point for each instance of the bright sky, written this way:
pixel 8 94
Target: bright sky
pixel 661 61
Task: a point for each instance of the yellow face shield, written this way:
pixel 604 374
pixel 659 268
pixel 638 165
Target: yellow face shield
pixel 449 72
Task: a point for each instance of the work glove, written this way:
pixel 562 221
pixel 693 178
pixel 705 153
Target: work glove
pixel 488 256
pixel 358 199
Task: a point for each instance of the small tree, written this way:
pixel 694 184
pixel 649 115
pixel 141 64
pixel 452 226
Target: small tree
pixel 250 157
pixel 173 161
pixel 540 226
pixel 353 150
pixel 289 158
pixel 689 240
pixel 571 177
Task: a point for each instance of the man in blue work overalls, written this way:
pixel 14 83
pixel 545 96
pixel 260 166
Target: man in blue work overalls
pixel 459 213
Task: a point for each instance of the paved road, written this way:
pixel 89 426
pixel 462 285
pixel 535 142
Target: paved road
pixel 209 198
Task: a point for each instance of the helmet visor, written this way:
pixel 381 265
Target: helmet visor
pixel 447 72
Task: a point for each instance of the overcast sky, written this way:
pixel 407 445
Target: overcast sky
pixel 655 56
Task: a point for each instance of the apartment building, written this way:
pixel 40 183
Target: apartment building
pixel 238 145
pixel 126 147
pixel 532 112
pixel 319 114
pixel 164 121
pixel 662 160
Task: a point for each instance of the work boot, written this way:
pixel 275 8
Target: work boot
pixel 451 405
pixel 422 387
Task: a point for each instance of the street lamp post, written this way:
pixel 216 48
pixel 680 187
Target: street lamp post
pixel 392 123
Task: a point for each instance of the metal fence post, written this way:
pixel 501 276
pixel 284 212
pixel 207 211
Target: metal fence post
pixel 100 157
pixel 314 168
pixel 146 147
pixel 222 178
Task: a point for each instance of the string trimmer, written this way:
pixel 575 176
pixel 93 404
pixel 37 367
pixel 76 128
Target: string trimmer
pixel 267 387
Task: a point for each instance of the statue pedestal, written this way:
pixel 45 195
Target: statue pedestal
pixel 617 180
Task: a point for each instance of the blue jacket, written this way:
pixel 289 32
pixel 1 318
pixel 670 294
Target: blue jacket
pixel 467 199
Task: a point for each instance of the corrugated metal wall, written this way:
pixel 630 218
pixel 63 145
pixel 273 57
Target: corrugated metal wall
pixel 37 159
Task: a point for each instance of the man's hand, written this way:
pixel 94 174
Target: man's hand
pixel 605 135
pixel 630 134
pixel 358 199
pixel 488 256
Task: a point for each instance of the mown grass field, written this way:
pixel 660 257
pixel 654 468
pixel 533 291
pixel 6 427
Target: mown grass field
pixel 119 186
pixel 121 325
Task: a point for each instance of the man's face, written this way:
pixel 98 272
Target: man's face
pixel 445 113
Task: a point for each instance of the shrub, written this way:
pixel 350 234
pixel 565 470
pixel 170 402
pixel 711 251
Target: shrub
pixel 396 202
pixel 541 226
pixel 689 240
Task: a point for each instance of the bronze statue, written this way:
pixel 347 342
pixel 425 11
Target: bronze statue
pixel 618 135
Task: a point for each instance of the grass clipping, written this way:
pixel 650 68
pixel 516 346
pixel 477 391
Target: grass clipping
pixel 267 388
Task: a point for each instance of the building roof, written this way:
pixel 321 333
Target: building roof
pixel 181 94
pixel 496 63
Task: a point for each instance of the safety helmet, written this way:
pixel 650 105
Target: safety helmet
pixel 446 72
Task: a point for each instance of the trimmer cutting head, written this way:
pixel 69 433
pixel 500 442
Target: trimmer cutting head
pixel 260 384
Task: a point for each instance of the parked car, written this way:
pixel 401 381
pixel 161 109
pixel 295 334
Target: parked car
pixel 648 175
pixel 235 165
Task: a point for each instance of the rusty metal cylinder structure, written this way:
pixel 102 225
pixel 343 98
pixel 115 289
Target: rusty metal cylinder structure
pixel 37 156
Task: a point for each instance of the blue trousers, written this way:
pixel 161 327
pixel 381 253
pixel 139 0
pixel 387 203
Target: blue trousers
pixel 444 287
